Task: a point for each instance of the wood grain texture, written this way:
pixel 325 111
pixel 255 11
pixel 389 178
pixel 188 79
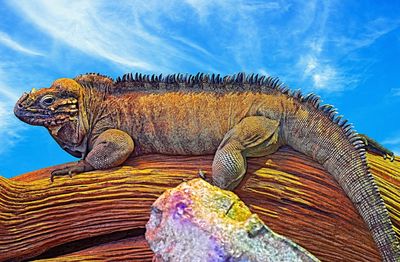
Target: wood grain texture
pixel 290 192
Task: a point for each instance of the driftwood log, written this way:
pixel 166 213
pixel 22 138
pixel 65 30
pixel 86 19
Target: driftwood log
pixel 101 215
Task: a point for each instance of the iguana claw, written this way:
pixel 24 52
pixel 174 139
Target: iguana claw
pixel 73 168
pixel 203 176
pixel 390 155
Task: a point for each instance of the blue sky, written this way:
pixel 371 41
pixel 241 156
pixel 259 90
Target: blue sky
pixel 348 52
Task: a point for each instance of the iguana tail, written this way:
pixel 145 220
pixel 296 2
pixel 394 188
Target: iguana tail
pixel 318 132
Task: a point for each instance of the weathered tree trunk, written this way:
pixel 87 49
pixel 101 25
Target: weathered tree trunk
pixel 101 215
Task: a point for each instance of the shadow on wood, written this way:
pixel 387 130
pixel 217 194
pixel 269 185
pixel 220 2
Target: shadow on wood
pixel 101 215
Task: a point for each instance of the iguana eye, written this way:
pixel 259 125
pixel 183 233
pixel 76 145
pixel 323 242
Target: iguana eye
pixel 47 100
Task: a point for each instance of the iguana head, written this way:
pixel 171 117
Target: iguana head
pixel 58 109
pixel 51 106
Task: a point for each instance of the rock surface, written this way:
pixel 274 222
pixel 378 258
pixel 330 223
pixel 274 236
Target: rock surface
pixel 199 222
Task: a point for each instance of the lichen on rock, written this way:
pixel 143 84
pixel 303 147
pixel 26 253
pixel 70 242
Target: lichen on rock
pixel 199 222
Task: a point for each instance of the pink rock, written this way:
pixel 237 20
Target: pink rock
pixel 199 222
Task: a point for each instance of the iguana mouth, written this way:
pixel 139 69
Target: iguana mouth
pixel 41 120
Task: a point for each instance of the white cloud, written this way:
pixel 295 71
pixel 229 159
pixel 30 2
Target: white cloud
pixel 261 5
pixel 147 35
pixel 324 44
pixel 395 91
pixel 135 37
pixel 9 126
pixel 7 41
pixel 310 64
pixel 322 75
pixel 392 141
pixel 366 34
pixel 316 65
pixel 7 93
pixel 296 40
pixel 81 28
pixel 201 7
pixel 192 45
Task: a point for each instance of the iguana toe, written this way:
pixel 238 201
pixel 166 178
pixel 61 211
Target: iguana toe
pixel 391 155
pixel 60 172
pixel 203 176
pixel 67 171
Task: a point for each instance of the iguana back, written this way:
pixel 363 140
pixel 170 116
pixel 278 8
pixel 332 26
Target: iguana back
pixel 180 123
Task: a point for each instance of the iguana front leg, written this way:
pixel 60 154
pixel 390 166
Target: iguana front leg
pixel 253 136
pixel 110 149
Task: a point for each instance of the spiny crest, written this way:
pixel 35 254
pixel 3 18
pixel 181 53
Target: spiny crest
pixel 200 82
pixel 331 112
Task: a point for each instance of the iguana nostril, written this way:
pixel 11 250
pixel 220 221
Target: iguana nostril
pixel 20 105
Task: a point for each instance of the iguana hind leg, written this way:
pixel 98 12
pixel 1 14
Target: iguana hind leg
pixel 374 146
pixel 253 136
pixel 110 149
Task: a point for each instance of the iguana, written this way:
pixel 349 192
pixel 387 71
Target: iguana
pixel 103 121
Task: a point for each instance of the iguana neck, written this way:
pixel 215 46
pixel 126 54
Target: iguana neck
pixel 72 136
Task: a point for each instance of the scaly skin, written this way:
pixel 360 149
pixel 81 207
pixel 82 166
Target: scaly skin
pixel 104 121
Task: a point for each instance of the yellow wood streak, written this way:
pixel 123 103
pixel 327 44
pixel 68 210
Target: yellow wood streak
pixel 281 184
